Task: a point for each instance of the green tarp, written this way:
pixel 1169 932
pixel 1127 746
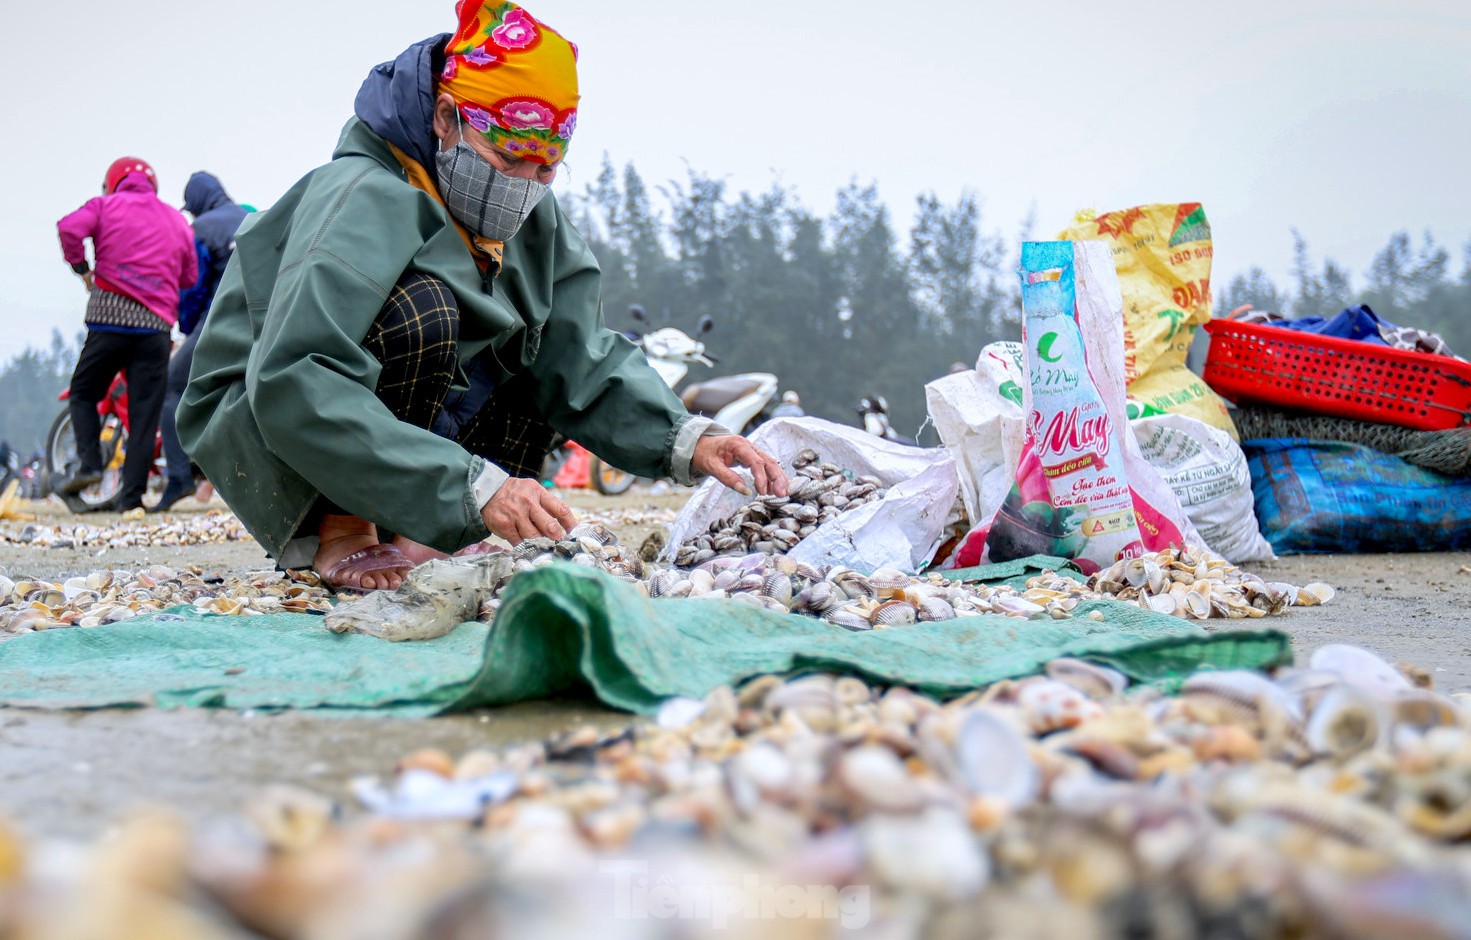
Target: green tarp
pixel 569 629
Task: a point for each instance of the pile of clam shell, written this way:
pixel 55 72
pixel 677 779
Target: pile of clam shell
pixel 590 544
pixel 441 591
pixel 819 492
pixel 103 597
pixel 1199 585
pixel 213 526
pixel 1326 801
pixel 886 597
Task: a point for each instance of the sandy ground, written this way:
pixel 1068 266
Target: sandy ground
pixel 70 773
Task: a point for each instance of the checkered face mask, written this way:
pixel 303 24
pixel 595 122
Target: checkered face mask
pixel 483 199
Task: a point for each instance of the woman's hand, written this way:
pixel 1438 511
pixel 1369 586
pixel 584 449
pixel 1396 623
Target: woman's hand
pixel 716 454
pixel 523 509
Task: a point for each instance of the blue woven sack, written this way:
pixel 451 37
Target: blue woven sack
pixel 1321 496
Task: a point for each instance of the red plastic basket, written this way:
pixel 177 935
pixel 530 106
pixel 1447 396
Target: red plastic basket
pixel 1251 363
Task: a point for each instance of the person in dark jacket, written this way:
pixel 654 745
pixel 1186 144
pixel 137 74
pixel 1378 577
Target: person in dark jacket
pixel 427 248
pixel 216 218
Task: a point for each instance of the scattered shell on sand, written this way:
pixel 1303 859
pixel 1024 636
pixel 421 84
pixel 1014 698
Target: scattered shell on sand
pixel 106 596
pixel 212 526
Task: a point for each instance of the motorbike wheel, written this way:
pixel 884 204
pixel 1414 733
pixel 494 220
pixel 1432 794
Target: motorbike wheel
pixel 61 459
pixel 554 459
pixel 608 479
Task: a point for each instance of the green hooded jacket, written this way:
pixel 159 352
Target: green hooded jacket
pixel 280 406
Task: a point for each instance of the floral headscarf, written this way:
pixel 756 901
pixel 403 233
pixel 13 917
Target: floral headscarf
pixel 513 78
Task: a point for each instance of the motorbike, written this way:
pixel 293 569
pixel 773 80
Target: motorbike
pixel 10 471
pixel 739 402
pixel 61 449
pixel 28 476
pixel 873 412
pixel 33 482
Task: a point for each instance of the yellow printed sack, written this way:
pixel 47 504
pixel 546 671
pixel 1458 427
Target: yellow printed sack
pixel 1163 256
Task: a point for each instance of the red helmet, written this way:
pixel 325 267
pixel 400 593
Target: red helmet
pixel 121 167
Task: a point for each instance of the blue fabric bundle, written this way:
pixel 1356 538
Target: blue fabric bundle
pixel 1333 496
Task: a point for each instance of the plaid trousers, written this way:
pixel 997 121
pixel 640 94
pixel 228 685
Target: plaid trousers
pixel 416 337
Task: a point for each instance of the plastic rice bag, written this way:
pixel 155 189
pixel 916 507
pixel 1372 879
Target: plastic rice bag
pixel 1162 253
pixel 1082 489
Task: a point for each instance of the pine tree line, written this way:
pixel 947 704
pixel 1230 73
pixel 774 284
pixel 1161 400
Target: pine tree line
pixel 29 384
pixel 837 308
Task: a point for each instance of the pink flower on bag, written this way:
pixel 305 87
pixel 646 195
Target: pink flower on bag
pixel 568 125
pixel 517 31
pixel 478 118
pixel 527 114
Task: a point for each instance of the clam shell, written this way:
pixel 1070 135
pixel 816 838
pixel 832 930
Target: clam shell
pixel 935 609
pixel 852 584
pixel 1360 667
pixel 874 777
pixel 1163 604
pixel 1345 721
pixel 1197 604
pixel 1048 705
pixel 1015 605
pixel 1136 572
pixel 811 698
pixel 848 619
pixel 778 587
pixel 894 614
pixel 760 771
pixel 1423 709
pixel 994 760
pixel 888 579
pixel 1315 593
pixel 930 855
pixel 1097 682
pixel 675 713
pixel 819 597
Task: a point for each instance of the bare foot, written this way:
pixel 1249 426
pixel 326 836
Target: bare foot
pixel 204 492
pixel 415 552
pixel 341 536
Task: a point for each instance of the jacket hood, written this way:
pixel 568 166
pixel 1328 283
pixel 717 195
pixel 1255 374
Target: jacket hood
pixel 202 193
pixel 396 100
pixel 134 183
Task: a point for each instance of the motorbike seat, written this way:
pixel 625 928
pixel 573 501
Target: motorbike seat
pixel 707 398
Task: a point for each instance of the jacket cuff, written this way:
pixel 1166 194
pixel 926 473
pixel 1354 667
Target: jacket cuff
pixel 685 438
pixel 486 479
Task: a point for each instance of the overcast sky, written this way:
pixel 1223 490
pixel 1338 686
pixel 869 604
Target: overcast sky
pixel 1349 120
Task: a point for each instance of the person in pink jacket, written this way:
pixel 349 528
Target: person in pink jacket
pixel 143 251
